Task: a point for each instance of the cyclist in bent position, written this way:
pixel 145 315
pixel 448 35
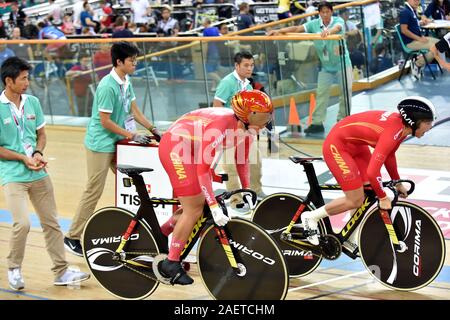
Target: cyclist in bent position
pixel 187 151
pixel 346 152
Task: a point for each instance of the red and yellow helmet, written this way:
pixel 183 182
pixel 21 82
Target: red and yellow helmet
pixel 252 106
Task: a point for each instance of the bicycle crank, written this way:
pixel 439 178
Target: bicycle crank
pixel 330 246
pixel 158 259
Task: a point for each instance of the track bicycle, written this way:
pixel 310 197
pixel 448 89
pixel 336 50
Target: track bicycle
pixel 403 248
pixel 237 261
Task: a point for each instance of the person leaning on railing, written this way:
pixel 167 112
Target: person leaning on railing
pixel 329 55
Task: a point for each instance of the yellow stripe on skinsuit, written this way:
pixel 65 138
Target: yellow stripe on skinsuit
pixel 372 143
pixel 372 126
pixel 203 120
pixel 187 136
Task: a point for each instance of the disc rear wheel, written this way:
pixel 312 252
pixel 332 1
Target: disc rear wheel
pixel 101 237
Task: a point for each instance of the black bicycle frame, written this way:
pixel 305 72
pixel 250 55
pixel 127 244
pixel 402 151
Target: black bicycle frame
pixel 146 212
pixel 315 197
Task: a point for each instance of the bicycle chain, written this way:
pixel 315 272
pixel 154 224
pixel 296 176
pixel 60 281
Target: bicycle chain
pixel 126 265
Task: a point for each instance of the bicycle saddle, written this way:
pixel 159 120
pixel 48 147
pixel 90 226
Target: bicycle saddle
pixel 297 159
pixel 125 169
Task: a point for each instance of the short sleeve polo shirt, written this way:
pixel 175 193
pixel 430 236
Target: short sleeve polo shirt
pixel 229 86
pixel 328 50
pixel 112 96
pixel 408 16
pixel 27 119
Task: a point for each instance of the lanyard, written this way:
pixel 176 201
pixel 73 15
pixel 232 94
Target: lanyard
pixel 19 124
pixel 123 94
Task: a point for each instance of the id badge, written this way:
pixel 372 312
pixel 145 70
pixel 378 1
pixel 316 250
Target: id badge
pixel 28 149
pixel 130 124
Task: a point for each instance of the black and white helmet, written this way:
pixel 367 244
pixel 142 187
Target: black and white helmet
pixel 415 108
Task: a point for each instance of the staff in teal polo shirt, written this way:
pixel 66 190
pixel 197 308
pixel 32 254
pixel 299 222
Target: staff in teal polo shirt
pixel 233 83
pixel 23 175
pixel 114 116
pixel 330 59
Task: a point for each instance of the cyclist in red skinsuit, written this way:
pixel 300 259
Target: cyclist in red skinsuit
pixel 347 154
pixel 187 152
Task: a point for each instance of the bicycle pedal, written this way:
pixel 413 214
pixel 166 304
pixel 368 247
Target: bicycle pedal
pixel 157 260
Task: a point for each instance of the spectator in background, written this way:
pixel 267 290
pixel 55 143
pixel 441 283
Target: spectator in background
pixel 87 18
pixel 102 58
pixel 349 26
pixel 54 13
pixel 52 33
pixel 284 8
pixel 412 35
pixel 2 28
pixel 244 20
pixel 80 84
pixel 67 25
pixel 381 62
pixel 330 57
pixel 120 30
pixel 311 8
pixel 212 55
pixel 17 17
pixel 141 11
pixel 21 50
pixel 226 52
pixel 5 52
pixel 106 17
pixel 77 9
pixel 167 24
pixel 438 10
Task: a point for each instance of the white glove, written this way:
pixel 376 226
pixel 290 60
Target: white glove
pixel 248 199
pixel 219 218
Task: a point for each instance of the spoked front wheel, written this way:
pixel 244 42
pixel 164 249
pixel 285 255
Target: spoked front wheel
pixel 101 237
pixel 421 253
pixel 262 275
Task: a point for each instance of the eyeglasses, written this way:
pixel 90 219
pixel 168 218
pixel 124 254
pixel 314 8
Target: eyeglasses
pixel 132 60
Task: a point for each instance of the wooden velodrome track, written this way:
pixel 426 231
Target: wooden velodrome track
pixel 344 279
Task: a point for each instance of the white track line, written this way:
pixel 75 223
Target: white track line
pixel 327 281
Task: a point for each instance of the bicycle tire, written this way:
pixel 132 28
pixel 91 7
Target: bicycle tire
pixel 276 211
pixel 266 276
pixel 421 261
pixel 101 237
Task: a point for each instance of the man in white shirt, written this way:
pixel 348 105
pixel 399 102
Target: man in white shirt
pixel 141 11
pixel 77 9
pixel 54 13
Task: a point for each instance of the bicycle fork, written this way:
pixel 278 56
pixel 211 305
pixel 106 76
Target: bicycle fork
pixel 230 251
pixel 386 217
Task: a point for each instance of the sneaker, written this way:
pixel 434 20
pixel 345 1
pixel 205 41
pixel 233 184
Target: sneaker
pixel 174 271
pixel 311 225
pixel 73 246
pixel 15 279
pixel 71 277
pixel 315 128
pixel 415 70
